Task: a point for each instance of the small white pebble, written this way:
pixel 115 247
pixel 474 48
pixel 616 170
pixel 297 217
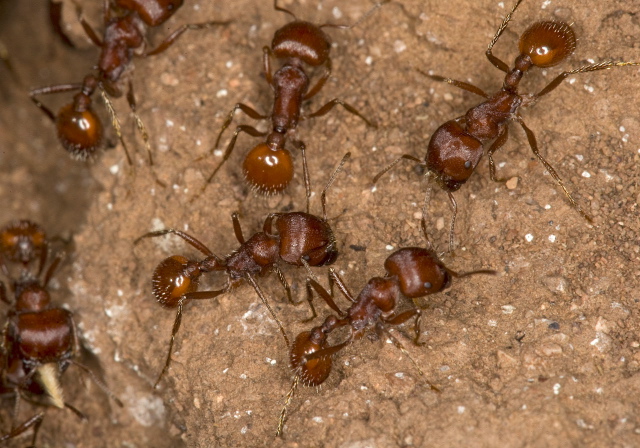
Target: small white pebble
pixel 169 123
pixel 317 419
pixel 229 64
pixel 622 129
pixel 225 370
pixel 580 157
pixel 244 430
pixel 492 323
pixel 588 88
pixel 586 174
pixel 552 238
pixel 399 375
pixel 120 293
pixel 336 12
pixel 109 206
pixel 399 46
pixel 545 4
pixel 243 376
pixel 528 237
pixel 461 409
pixel 221 93
pixel 368 60
pixel 508 309
pixel 114 169
pixel 217 152
pixel 556 388
pixel 389 247
pixel 547 207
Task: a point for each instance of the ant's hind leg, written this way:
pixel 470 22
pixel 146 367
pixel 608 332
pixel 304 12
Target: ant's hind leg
pixel 500 141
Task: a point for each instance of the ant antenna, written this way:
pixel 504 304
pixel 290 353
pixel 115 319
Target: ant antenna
pixel 115 122
pixel 281 9
pixel 357 22
pixel 287 402
pixel 323 196
pixel 503 26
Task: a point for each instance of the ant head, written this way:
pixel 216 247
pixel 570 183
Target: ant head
pixel 45 336
pixel 22 241
pixel 315 371
pixel 419 271
pixel 268 170
pixel 306 237
pixel 301 40
pixel 152 12
pixel 79 129
pixel 174 277
pixel 548 43
pixel 32 298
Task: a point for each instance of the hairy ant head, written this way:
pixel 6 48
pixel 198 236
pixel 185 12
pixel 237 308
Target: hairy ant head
pixel 79 129
pixel 22 241
pixel 301 40
pixel 418 270
pixel 152 12
pixel 313 372
pixel 174 277
pixel 306 237
pixel 548 43
pixel 267 170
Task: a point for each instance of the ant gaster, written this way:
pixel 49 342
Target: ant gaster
pixel 39 342
pixel 456 147
pixel 79 128
pixel 412 272
pixel 268 167
pixel 300 239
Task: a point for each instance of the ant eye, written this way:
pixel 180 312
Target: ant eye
pixel 467 164
pixel 268 171
pixel 548 43
pixel 427 285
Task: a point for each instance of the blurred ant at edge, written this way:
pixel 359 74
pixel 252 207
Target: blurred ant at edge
pixel 268 167
pixel 456 147
pixel 39 340
pixel 300 239
pixel 79 128
pixel 410 272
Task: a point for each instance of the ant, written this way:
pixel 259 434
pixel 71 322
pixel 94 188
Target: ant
pixel 268 167
pixel 300 239
pixel 39 342
pixel 22 241
pixel 79 128
pixel 456 147
pixel 412 272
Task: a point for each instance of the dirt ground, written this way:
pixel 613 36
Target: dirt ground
pixel 546 354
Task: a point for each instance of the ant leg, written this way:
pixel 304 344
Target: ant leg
pixel 400 347
pixel 285 284
pixel 55 18
pixel 588 68
pixel 3 294
pixel 425 208
pixel 334 278
pixel 242 128
pixel 534 147
pixel 236 227
pixel 115 123
pixel 131 99
pixel 331 104
pixel 198 295
pixel 403 317
pixel 77 412
pixel 281 9
pixel 321 82
pixel 328 298
pixel 395 162
pixel 266 228
pixel 498 63
pixel 48 90
pixel 305 169
pixel 247 110
pixel 460 84
pixel 188 238
pixel 170 40
pixel 98 382
pixel 267 54
pixel 323 195
pixel 287 402
pixel 88 29
pixel 34 421
pixel 52 268
pixel 454 209
pixel 253 283
pixel 497 144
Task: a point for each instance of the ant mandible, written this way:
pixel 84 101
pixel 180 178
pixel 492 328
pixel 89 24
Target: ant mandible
pixel 79 128
pixel 412 272
pixel 300 239
pixel 39 341
pixel 268 167
pixel 456 147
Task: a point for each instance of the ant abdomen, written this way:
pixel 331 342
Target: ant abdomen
pixel 301 40
pixel 418 270
pixel 312 372
pixel 268 171
pixel 79 128
pixel 453 155
pixel 174 277
pixel 152 12
pixel 548 43
pixel 305 237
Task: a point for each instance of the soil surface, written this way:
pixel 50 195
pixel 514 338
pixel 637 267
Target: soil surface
pixel 545 354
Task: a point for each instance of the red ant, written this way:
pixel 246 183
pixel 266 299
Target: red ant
pixel 300 239
pixel 79 128
pixel 268 167
pixel 39 342
pixel 412 272
pixel 456 147
pixel 23 241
